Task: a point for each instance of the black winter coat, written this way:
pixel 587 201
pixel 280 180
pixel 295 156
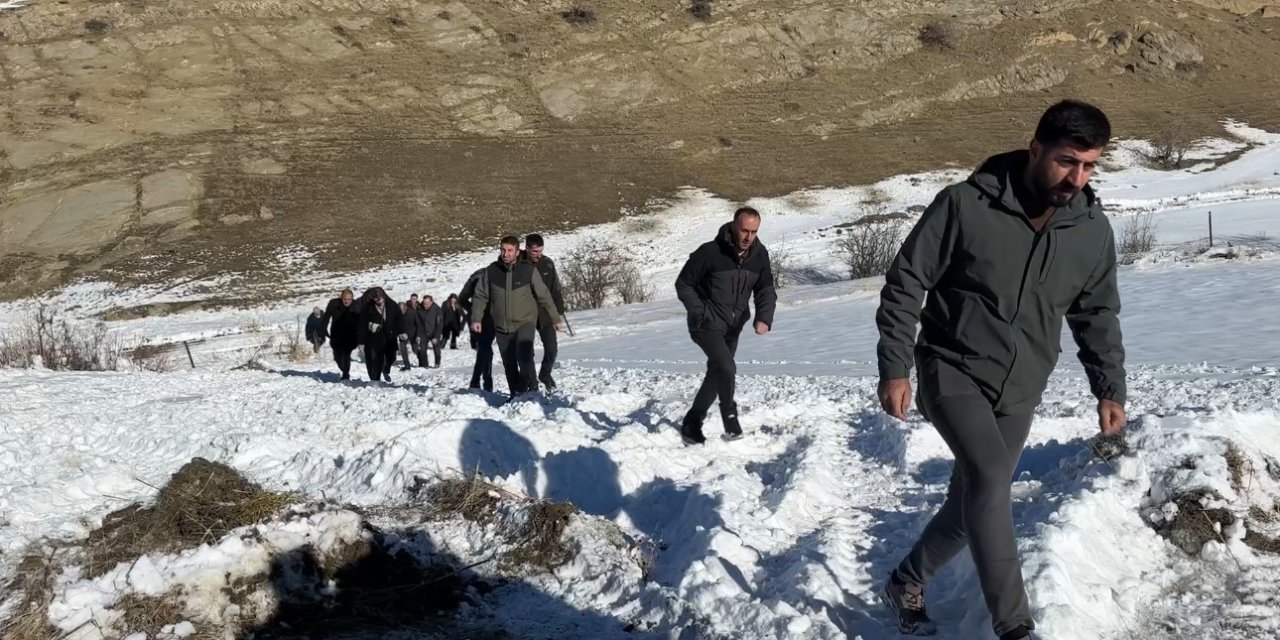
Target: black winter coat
pixel 716 286
pixel 315 329
pixel 343 323
pixel 432 323
pixel 377 330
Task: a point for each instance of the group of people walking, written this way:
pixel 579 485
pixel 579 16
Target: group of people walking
pixel 507 302
pixel 974 301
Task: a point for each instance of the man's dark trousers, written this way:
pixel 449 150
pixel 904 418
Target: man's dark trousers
pixel 517 358
pixel 550 346
pixel 977 513
pixel 721 373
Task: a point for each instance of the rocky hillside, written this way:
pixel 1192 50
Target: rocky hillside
pixel 148 141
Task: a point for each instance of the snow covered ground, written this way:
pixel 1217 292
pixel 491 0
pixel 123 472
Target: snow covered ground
pixel 784 534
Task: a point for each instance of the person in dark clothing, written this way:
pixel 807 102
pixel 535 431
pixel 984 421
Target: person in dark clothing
pixel 316 333
pixel 512 292
pixel 482 340
pixel 454 320
pixel 997 262
pixel 432 329
pixel 533 246
pixel 715 285
pixel 342 318
pixel 407 334
pixel 379 324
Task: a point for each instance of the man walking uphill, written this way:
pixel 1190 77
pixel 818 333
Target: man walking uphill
pixel 512 292
pixel 1003 257
pixel 342 318
pixel 533 245
pixel 716 285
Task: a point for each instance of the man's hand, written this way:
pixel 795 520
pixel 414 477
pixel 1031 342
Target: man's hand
pixel 761 328
pixel 559 327
pixel 895 397
pixel 477 327
pixel 1110 416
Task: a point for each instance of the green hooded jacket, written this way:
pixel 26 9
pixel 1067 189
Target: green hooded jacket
pixel 998 290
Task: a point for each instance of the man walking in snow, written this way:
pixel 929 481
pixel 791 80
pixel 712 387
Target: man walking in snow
pixel 379 333
pixel 432 330
pixel 997 262
pixel 453 320
pixel 533 246
pixel 715 285
pixel 512 292
pixel 315 329
pixel 342 317
pixel 482 339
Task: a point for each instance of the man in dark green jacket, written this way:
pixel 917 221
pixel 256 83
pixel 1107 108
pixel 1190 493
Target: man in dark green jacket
pixel 512 293
pixel 533 246
pixel 997 262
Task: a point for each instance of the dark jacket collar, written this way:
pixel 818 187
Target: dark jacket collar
pixel 729 244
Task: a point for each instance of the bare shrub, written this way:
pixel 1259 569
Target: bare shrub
pixel 157 358
pixel 640 224
pixel 61 344
pixel 292 345
pixel 595 273
pixel 1169 146
pixel 1138 237
pixel 779 263
pixel 868 250
pixel 700 9
pixel 579 16
pixel 254 361
pixel 939 36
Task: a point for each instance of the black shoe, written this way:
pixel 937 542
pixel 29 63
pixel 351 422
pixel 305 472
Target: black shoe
pixel 405 368
pixel 386 377
pixel 1021 632
pixel 488 385
pixel 732 430
pixel 548 382
pixel 346 376
pixel 691 431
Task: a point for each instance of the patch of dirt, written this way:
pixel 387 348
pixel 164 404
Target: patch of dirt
pixel 201 503
pixel 37 576
pixel 541 546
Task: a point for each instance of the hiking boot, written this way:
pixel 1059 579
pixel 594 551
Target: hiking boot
pixel 691 430
pixel 386 377
pixel 907 603
pixel 404 368
pixel 1021 632
pixel 346 376
pixel 547 381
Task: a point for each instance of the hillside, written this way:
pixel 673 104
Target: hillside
pixel 146 143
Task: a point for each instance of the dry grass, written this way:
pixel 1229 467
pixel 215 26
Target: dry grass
pixel 157 358
pixel 472 498
pixel 1240 467
pixel 292 345
pixel 142 614
pixel 1195 525
pixel 201 503
pixel 542 546
pixel 30 619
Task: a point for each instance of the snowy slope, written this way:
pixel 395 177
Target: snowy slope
pixel 784 534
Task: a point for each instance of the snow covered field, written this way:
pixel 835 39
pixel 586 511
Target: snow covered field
pixel 784 534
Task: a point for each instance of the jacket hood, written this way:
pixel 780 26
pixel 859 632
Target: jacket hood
pixel 995 176
pixel 729 244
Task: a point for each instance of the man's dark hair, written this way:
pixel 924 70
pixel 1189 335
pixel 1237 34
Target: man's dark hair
pixel 511 240
pixel 745 211
pixel 1074 121
pixel 534 240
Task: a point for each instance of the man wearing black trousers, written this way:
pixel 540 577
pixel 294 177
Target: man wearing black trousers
pixel 342 317
pixel 379 333
pixel 716 284
pixel 533 245
pixel 513 292
pixel 481 340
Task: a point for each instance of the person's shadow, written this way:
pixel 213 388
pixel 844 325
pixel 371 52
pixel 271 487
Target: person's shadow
pixel 493 450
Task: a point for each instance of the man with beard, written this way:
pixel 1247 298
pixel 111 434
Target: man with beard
pixel 432 330
pixel 998 261
pixel 379 333
pixel 342 317
pixel 513 293
pixel 533 246
pixel 482 335
pixel 716 285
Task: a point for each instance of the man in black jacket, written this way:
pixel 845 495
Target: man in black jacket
pixel 997 262
pixel 432 329
pixel 453 320
pixel 533 245
pixel 316 334
pixel 481 340
pixel 513 292
pixel 342 317
pixel 716 284
pixel 379 333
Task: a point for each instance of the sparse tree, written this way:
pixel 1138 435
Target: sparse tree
pixel 1169 146
pixel 595 272
pixel 1138 237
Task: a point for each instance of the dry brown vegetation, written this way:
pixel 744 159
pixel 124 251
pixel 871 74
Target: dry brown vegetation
pixel 60 344
pixel 201 503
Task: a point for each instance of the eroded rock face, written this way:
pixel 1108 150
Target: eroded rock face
pixel 189 119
